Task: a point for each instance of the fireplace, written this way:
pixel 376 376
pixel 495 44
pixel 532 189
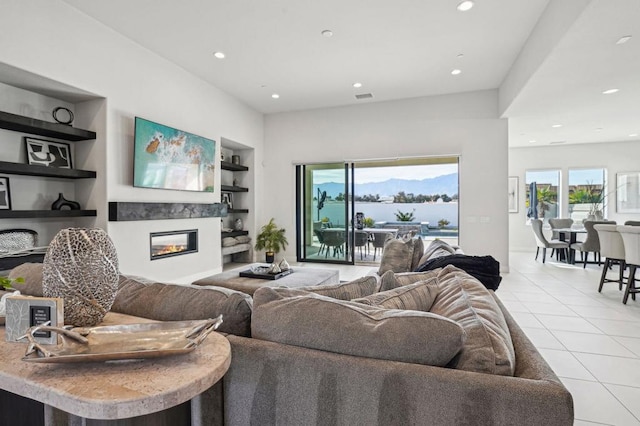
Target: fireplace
pixel 174 243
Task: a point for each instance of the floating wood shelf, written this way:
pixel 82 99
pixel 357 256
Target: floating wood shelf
pixel 237 210
pixel 43 214
pixel 34 126
pixel 43 171
pixel 225 165
pixel 234 233
pixel 230 188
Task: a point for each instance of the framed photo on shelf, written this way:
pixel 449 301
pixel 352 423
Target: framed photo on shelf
pixel 628 192
pixel 5 194
pixel 227 198
pixel 513 194
pixel 48 153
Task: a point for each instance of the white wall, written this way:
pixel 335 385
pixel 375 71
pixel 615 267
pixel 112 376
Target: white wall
pixel 615 157
pixel 52 39
pixel 466 124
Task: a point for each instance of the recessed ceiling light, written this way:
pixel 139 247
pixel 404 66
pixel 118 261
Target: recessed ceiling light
pixel 556 142
pixel 633 135
pixel 623 39
pixel 219 55
pixel 599 129
pixel 463 6
pixel 357 85
pixel 275 96
pixel 532 141
pixel 555 126
pixel 455 72
pixel 609 91
pixel 460 55
pixel 327 33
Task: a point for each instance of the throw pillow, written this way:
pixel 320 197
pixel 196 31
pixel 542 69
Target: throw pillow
pixel 169 302
pixel 243 239
pixel 360 287
pixel 488 347
pixel 32 274
pixel 405 278
pixel 397 256
pixel 229 241
pixel 418 251
pixel 327 324
pixel 437 248
pixel 416 297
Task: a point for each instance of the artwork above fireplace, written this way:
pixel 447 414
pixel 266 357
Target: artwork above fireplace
pixel 173 243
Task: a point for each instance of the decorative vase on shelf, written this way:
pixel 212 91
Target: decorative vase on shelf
pixel 63 202
pixel 238 225
pixel 81 267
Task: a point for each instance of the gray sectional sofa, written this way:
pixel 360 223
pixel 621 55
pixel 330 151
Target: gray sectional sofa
pixel 394 348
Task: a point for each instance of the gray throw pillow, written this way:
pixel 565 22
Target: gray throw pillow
pixel 229 242
pixel 418 251
pixel 318 322
pixel 169 302
pixel 32 274
pixel 416 297
pixel 405 278
pixel 397 256
pixel 488 347
pixel 360 287
pixel 437 248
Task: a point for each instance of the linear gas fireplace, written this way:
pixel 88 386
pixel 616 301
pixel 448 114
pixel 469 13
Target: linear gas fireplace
pixel 174 243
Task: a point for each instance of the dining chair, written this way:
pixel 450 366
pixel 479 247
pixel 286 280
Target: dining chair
pixel 544 244
pixel 612 248
pixel 335 240
pixel 592 243
pixel 320 235
pixel 631 238
pixel 558 223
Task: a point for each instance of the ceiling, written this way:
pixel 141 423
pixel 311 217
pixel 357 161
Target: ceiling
pixel 404 49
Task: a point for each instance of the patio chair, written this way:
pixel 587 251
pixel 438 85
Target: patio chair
pixel 318 233
pixel 333 239
pixel 612 248
pixel 544 244
pixel 361 239
pixel 379 239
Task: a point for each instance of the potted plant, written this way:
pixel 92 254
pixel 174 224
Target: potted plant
pixel 271 239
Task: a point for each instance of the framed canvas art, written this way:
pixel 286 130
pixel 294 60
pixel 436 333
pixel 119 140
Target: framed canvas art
pixel 5 194
pixel 48 153
pixel 628 192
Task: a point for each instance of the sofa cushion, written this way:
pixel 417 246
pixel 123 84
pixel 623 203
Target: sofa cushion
pixel 437 248
pixel 360 287
pixel 318 322
pixel 405 278
pixel 417 297
pixel 397 256
pixel 170 302
pixel 488 347
pixel 32 274
pixel 418 250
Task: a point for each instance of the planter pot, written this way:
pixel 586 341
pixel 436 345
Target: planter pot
pixel 270 257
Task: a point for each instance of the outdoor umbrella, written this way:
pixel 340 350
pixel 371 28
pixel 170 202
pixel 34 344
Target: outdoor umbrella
pixel 532 212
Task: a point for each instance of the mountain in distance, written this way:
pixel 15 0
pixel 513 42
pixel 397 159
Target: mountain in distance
pixel 445 184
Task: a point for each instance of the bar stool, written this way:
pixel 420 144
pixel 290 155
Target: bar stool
pixel 631 238
pixel 612 248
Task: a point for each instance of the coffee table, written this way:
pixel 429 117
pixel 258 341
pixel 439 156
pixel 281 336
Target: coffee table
pixel 301 277
pixel 120 390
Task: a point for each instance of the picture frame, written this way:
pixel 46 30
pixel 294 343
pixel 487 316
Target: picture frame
pixel 512 190
pixel 628 192
pixel 48 153
pixel 227 198
pixel 5 194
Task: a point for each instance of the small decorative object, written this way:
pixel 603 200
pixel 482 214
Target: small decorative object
pixel 5 194
pixel 28 311
pixel 62 202
pixel 235 159
pixel 238 224
pixel 63 115
pixel 221 156
pixel 284 265
pixel 271 239
pixel 81 266
pixel 235 182
pixel 227 198
pixel 48 153
pixel 274 269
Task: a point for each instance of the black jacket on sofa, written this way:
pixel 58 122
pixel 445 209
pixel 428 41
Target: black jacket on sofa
pixel 485 268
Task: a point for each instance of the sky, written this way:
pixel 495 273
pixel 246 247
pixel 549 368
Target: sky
pixel 576 176
pixel 381 174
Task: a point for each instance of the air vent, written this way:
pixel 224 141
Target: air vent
pixel 364 96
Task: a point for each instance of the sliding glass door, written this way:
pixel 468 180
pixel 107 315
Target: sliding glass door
pixel 324 212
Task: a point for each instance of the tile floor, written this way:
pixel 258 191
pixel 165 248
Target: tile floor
pixel 590 339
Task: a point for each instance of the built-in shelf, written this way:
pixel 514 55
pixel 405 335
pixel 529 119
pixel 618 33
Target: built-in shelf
pixel 225 165
pixel 237 210
pixel 234 233
pixel 230 188
pixel 43 214
pixel 34 126
pixel 43 171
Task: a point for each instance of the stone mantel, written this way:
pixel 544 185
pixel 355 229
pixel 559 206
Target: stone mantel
pixel 128 211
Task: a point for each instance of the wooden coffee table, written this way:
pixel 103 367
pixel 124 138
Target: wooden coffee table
pixel 115 390
pixel 301 277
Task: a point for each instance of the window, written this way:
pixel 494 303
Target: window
pixel 587 195
pixel 547 184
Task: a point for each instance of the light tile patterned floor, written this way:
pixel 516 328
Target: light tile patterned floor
pixel 590 339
